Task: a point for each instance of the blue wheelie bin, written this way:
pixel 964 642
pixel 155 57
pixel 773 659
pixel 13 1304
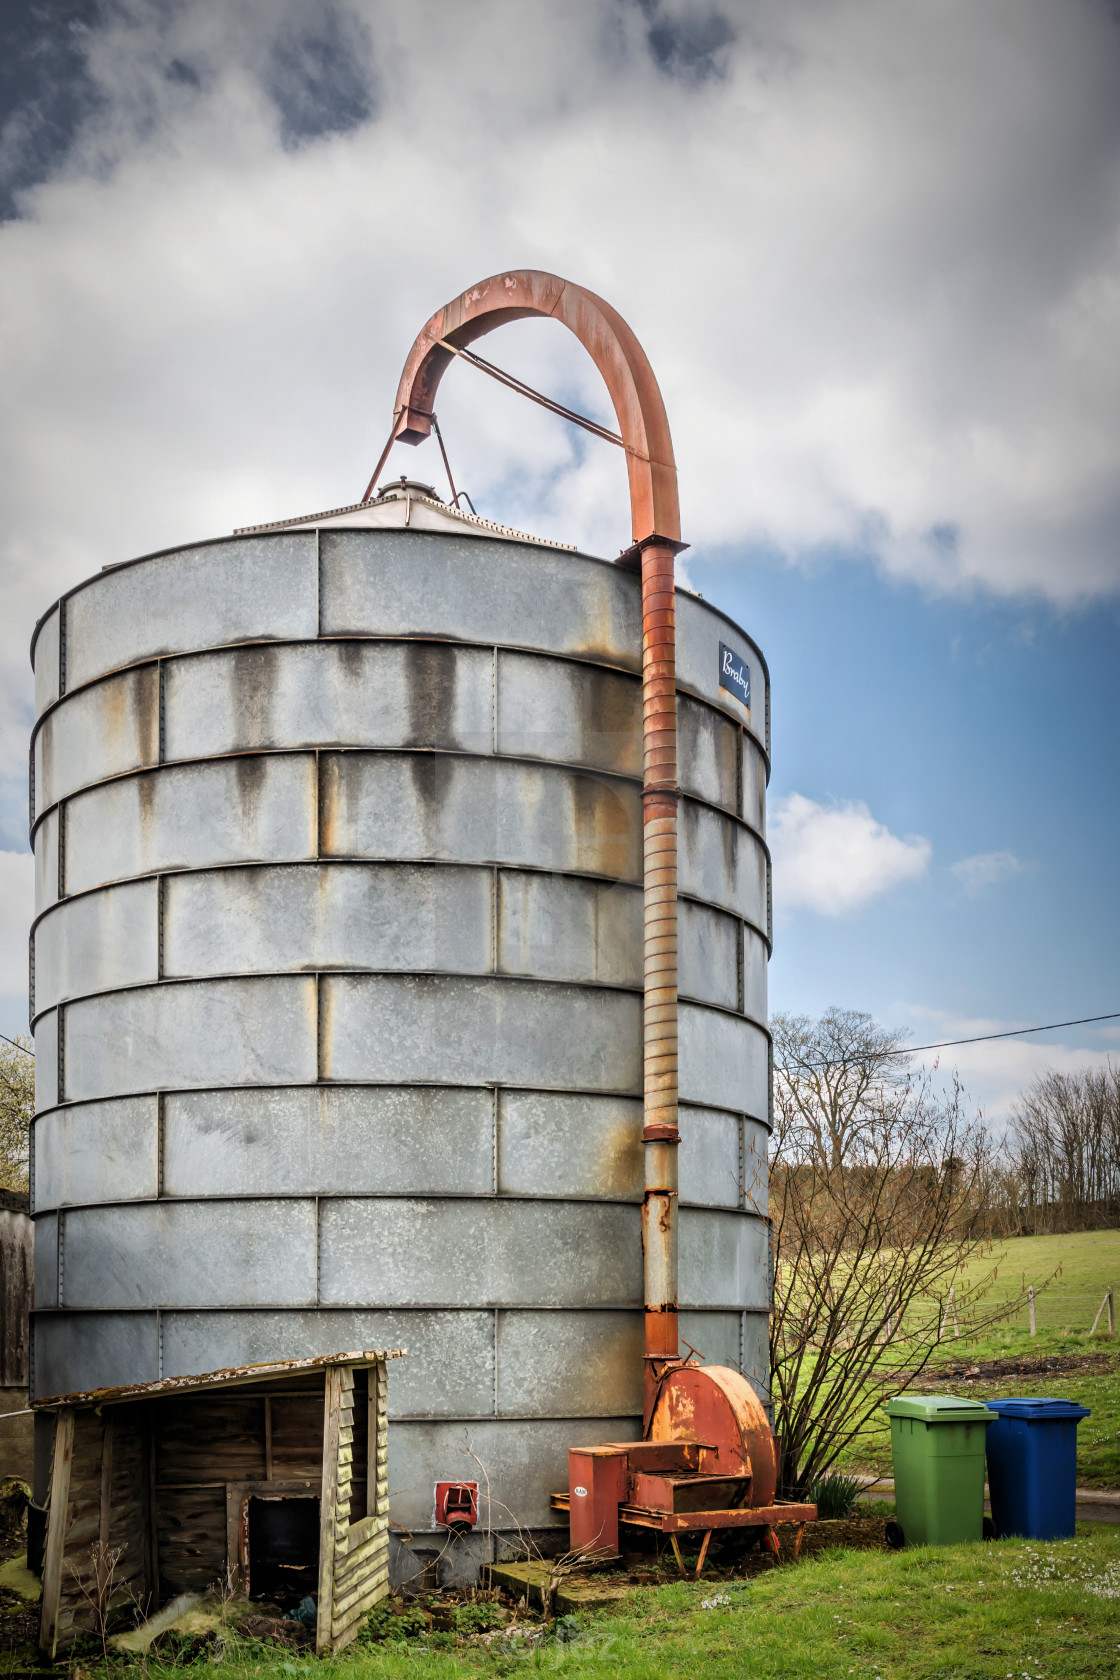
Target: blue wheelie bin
pixel 1032 1467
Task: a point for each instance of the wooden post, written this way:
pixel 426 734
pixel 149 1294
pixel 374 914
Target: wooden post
pixel 703 1551
pixel 950 1307
pixel 1030 1303
pixel 106 1484
pixel 332 1404
pixel 57 1513
pixel 1107 1302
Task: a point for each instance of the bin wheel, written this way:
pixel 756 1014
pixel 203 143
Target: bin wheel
pixel 894 1536
pixel 991 1532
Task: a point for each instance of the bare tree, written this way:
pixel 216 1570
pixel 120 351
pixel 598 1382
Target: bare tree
pixel 17 1105
pixel 1063 1153
pixel 877 1185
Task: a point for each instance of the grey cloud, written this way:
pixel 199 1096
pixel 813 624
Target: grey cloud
pixel 872 248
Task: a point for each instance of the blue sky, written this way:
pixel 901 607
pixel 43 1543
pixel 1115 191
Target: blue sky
pixel 988 729
pixel 872 248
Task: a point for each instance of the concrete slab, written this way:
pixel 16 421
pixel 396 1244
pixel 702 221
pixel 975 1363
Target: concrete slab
pixel 575 1592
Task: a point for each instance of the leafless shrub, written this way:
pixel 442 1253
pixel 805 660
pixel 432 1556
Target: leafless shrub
pixel 98 1585
pixel 878 1184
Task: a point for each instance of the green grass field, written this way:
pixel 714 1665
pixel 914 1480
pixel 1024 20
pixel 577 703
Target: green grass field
pixel 980 1612
pixel 1079 1267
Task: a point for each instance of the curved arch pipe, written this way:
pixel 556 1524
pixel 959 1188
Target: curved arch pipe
pixel 655 521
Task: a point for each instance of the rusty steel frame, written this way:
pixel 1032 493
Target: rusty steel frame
pixel 655 515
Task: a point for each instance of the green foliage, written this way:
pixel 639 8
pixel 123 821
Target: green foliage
pixel 936 1613
pixel 834 1495
pixel 17 1105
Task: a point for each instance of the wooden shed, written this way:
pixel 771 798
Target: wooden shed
pixel 269 1477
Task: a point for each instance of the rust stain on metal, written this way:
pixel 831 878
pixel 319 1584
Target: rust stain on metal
pixel 655 519
pixel 714 1403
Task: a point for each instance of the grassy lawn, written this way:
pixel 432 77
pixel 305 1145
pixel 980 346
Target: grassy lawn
pixel 954 1613
pixel 1088 1368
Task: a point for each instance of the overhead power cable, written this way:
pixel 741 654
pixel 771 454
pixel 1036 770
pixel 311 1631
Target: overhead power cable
pixel 1013 1032
pixel 16 1046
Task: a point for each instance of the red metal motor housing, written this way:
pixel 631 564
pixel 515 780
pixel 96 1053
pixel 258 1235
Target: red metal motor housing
pixel 715 1404
pixel 456 1506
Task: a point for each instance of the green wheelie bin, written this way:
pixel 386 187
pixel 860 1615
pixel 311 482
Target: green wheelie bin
pixel 937 1444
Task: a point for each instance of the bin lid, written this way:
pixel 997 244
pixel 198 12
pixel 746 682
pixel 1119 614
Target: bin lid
pixel 1041 1408
pixel 939 1408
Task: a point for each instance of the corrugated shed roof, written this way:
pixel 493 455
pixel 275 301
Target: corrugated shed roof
pixel 232 1376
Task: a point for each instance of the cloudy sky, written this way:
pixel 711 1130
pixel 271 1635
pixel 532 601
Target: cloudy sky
pixel 873 250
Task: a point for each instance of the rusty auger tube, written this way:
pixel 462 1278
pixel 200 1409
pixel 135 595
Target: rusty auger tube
pixel 659 810
pixel 656 526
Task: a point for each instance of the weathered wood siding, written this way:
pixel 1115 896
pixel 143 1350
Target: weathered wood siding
pixel 353 1549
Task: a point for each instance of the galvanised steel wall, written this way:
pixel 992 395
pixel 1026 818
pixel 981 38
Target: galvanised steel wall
pixel 337 985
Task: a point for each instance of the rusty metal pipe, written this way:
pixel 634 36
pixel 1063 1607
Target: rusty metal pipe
pixel 644 430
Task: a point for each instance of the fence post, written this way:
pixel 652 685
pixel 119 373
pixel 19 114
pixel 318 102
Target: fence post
pixel 1107 1302
pixel 1030 1302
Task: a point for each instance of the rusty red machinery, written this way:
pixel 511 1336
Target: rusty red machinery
pixel 709 1459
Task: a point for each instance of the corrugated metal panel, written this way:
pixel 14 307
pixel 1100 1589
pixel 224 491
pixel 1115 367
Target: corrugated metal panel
pixel 707 955
pixel 111 1348
pixel 418 1385
pixel 177 1254
pixel 101 731
pixel 382 694
pixel 388 583
pixel 574 713
pixel 284 1141
pixel 217 1032
pixel 46 862
pixel 569 1145
pixel 97 1152
pixel 319 916
pixel 558 929
pixel 102 940
pixel 235 811
pixel 466 1032
pixel 425 805
pixel 724 1061
pixel 722 862
pixel 418 1252
pixel 46 1061
pixel 250 589
pixel 723 1259
pixel 46 662
pixel 569 1364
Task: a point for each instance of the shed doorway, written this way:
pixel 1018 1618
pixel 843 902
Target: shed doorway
pixel 283 1549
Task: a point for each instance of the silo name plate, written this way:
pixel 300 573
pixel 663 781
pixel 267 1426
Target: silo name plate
pixel 734 674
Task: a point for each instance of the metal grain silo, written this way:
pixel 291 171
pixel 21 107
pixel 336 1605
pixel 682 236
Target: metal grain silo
pixel 338 980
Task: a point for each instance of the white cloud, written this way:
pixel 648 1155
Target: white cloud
pixel 871 247
pixel 17 903
pixel 996 1072
pixel 836 858
pixel 986 869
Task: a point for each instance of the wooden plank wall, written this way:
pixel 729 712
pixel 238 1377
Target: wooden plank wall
pixel 151 1478
pixel 105 1505
pixel 353 1549
pixel 203 1442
